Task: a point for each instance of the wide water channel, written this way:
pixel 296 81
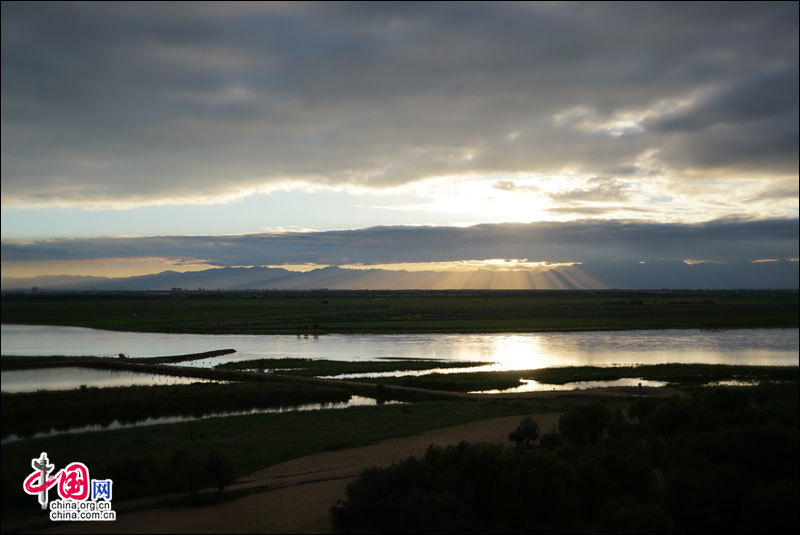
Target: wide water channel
pixel 506 351
pixel 512 351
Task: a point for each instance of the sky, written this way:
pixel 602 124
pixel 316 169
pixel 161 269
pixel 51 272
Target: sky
pixel 138 137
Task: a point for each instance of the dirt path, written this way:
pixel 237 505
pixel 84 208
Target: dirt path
pixel 298 493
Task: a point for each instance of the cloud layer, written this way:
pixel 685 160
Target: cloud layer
pixel 577 241
pixel 144 103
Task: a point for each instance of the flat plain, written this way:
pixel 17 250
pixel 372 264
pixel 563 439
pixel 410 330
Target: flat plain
pixel 328 311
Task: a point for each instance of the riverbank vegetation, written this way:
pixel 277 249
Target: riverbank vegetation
pixel 320 312
pixel 30 412
pixel 724 460
pixel 674 374
pixel 13 363
pixel 26 413
pixel 17 362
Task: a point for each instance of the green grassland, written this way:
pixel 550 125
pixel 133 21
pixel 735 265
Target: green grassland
pixel 161 459
pixel 320 312
pixel 29 412
pixel 151 460
pixel 25 413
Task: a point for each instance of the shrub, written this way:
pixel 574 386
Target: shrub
pixel 526 435
pixel 219 471
pixel 550 441
pixel 572 426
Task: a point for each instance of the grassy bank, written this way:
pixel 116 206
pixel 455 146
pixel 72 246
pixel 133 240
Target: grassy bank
pixel 308 312
pixel 11 363
pixel 26 413
pixel 16 362
pixel 675 374
pixel 29 412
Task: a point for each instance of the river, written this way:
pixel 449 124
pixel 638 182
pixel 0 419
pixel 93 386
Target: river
pixel 508 351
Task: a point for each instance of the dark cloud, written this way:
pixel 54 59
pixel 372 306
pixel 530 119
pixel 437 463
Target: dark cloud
pixel 578 241
pixel 750 124
pixel 752 100
pixel 137 102
pixel 760 147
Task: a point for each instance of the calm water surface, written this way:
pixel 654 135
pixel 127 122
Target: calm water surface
pixel 508 351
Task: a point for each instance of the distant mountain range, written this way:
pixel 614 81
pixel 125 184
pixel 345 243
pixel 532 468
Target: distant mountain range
pixel 652 275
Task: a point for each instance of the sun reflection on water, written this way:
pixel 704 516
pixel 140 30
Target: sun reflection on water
pixel 515 352
pixel 531 385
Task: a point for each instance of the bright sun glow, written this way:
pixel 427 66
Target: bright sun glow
pixel 473 198
pixel 492 264
pixel 519 353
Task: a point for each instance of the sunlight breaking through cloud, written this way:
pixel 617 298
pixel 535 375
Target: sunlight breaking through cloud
pixel 459 145
pixel 491 264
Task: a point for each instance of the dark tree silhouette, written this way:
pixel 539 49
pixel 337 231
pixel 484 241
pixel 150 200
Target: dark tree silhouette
pixel 526 435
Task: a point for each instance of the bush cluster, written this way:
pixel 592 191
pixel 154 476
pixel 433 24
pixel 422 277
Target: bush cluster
pixel 725 460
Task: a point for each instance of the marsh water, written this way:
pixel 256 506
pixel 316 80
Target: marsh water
pixel 502 351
